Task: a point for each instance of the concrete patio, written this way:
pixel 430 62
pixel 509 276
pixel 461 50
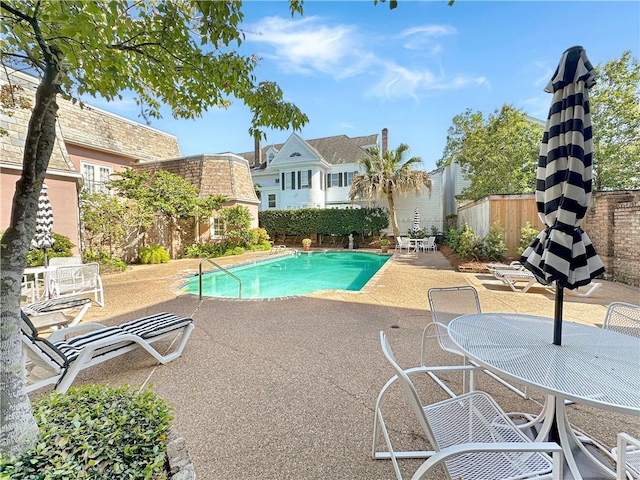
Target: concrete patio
pixel 285 388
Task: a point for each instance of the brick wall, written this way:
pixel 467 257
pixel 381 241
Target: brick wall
pixel 626 241
pixel 612 224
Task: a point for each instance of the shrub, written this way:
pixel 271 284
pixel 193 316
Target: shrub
pixel 451 237
pixel 97 432
pixel 494 247
pixel 61 248
pixel 527 236
pixel 154 254
pixel 469 244
pixel 107 263
pixel 201 250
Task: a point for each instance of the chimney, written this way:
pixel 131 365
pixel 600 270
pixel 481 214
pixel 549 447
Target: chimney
pixel 385 140
pixel 257 159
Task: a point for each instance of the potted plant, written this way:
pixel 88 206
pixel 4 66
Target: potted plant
pixel 306 243
pixel 384 244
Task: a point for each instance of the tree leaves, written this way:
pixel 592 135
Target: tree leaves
pixel 498 154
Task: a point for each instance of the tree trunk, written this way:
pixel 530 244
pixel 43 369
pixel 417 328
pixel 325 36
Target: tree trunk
pixel 392 215
pixel 19 430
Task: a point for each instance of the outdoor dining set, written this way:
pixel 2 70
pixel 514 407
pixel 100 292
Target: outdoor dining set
pixel 473 437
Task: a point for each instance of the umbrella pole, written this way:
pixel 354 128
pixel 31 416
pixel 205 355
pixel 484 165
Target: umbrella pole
pixel 557 318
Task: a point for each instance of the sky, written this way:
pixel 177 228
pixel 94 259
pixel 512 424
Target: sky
pixel 355 68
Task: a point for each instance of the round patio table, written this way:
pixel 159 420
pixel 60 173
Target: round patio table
pixel 593 366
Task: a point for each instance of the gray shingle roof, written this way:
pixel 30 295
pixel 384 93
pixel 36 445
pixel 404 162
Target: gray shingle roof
pixel 334 150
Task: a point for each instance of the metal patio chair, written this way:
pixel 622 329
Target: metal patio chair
pixel 623 318
pixel 470 434
pixel 627 454
pixel 447 303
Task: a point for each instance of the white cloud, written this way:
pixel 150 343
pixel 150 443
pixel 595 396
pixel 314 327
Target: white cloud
pixel 307 44
pixel 423 38
pixel 398 82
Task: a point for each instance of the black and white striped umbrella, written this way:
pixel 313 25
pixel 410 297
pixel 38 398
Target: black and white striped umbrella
pixel 416 221
pixel 44 223
pixel 562 252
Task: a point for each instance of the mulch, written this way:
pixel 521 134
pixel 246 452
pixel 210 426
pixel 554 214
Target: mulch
pixel 461 264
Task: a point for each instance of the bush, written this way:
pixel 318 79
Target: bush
pixel 494 247
pixel 469 244
pixel 154 254
pixel 527 235
pixel 97 432
pixel 451 237
pixel 61 248
pixel 106 262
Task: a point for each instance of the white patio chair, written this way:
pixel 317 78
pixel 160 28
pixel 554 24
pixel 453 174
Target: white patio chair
pixel 77 280
pixel 623 318
pixel 403 243
pixel 429 245
pixel 627 454
pixel 447 303
pixel 64 358
pixel 471 436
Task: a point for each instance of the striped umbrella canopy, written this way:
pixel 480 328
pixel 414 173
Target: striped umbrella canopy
pixel 416 221
pixel 44 223
pixel 562 252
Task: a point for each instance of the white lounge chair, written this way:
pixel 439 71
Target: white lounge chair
pixel 77 281
pixel 627 454
pixel 515 265
pixel 512 278
pixel 470 434
pixel 64 358
pixel 52 314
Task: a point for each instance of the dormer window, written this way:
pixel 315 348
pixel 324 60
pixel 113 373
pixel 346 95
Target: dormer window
pixel 271 157
pixel 295 154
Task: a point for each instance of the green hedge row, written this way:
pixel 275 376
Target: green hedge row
pixel 308 221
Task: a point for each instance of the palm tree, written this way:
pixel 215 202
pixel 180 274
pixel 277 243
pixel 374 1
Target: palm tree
pixel 386 175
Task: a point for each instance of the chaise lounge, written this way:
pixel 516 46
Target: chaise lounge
pixel 65 357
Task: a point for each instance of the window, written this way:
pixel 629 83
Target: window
pixel 287 181
pixel 271 156
pixel 272 200
pixel 277 181
pixel 349 179
pixel 304 179
pixel 334 180
pixel 96 177
pixel 295 154
pixel 216 227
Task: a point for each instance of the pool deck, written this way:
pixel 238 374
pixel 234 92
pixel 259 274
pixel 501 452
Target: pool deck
pixel 285 388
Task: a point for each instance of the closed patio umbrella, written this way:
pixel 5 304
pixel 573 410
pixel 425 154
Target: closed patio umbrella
pixel 562 252
pixel 416 221
pixel 44 224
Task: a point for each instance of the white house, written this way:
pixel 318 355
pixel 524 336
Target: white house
pixel 308 173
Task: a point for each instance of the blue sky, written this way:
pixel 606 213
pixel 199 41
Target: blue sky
pixel 355 68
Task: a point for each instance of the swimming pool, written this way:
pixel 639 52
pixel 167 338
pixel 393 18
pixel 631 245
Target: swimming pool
pixel 292 275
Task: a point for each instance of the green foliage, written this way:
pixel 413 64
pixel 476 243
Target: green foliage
pixel 108 221
pixel 259 236
pixel 387 175
pixel 494 247
pixel 328 221
pixel 527 235
pixel 499 155
pixel 237 220
pixel 108 47
pixel 153 255
pixel 306 242
pixel 615 116
pixel 469 244
pixel 107 263
pixel 451 237
pixel 384 241
pixel 61 248
pixel 95 432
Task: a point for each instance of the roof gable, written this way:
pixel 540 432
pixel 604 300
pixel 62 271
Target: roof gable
pixel 295 150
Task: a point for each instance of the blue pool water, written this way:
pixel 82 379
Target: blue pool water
pixel 292 275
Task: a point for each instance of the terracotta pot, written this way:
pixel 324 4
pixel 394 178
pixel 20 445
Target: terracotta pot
pixel 305 248
pixel 384 248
